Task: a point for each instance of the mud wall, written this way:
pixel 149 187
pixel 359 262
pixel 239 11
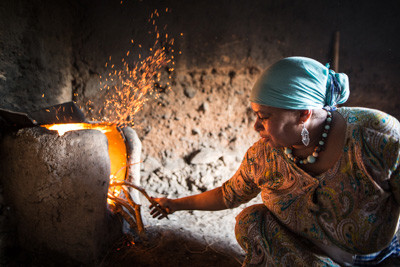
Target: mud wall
pixel 35 53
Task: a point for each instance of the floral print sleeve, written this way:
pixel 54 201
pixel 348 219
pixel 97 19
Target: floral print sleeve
pixel 380 139
pixel 381 156
pixel 241 188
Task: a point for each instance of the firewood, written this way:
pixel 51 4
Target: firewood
pixel 125 215
pixel 122 203
pixel 138 216
pixel 141 190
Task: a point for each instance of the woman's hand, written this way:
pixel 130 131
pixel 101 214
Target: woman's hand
pixel 162 207
pixel 209 200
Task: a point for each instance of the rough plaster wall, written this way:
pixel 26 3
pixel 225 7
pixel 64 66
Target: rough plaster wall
pixel 225 46
pixel 35 52
pixel 58 48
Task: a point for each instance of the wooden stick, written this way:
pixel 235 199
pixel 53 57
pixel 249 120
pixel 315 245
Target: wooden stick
pixel 335 59
pixel 137 214
pixel 141 190
pixel 130 209
pixel 125 215
pixel 139 221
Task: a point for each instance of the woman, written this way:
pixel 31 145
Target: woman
pixel 329 178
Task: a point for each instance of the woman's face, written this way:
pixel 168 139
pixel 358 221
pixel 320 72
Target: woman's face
pixel 278 127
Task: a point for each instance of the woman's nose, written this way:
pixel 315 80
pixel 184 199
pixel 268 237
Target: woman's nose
pixel 258 125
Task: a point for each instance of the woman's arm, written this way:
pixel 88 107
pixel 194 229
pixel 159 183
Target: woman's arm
pixel 209 200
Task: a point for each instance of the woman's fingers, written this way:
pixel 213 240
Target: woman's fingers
pixel 155 212
pixel 159 208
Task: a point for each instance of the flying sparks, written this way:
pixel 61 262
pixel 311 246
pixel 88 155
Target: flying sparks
pixel 129 87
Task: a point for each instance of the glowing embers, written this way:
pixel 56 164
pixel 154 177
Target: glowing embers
pixel 116 149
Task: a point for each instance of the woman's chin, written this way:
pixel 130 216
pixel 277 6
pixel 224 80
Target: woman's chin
pixel 271 143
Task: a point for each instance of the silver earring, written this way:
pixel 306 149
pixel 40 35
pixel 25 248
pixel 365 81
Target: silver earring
pixel 305 136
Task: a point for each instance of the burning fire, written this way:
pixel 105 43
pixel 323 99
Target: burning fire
pixel 67 127
pixel 116 149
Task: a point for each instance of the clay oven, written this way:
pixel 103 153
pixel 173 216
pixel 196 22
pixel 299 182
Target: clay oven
pixel 57 185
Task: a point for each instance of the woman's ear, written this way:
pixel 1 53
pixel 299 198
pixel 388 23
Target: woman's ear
pixel 305 115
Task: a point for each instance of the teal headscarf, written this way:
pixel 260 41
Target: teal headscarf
pixel 300 83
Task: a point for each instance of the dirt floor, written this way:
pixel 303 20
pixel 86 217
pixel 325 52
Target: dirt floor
pixel 169 247
pixel 198 238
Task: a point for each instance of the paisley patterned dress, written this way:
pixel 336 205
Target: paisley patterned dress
pixel 351 208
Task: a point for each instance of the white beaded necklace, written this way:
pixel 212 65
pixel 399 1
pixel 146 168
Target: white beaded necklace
pixel 319 147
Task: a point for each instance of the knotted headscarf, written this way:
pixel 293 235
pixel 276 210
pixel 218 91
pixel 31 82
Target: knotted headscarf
pixel 300 83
